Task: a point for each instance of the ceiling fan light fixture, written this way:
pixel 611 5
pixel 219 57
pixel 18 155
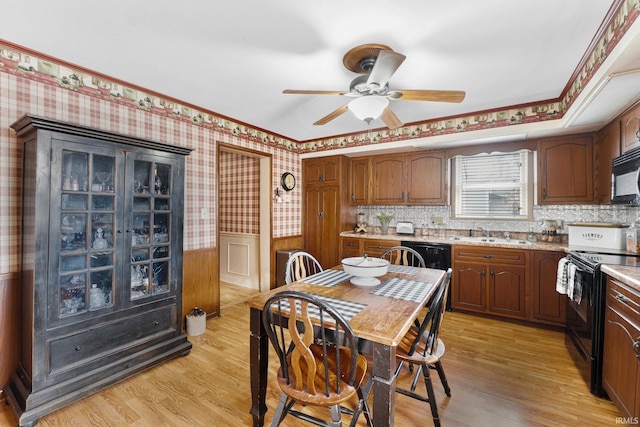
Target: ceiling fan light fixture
pixel 368 108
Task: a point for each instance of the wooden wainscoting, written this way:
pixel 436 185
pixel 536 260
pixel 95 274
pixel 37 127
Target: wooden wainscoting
pixel 282 243
pixel 200 284
pixel 9 327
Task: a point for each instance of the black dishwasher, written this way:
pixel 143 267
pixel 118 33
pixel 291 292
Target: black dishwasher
pixel 435 255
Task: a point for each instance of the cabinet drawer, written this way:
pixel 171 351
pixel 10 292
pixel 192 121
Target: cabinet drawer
pixel 93 343
pixel 624 300
pixel 492 255
pixel 375 248
pixel 351 247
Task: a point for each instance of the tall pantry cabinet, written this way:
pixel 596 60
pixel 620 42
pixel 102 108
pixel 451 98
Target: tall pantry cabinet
pixel 101 262
pixel 326 207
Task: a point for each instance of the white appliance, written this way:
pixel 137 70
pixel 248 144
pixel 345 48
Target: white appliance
pixel 404 227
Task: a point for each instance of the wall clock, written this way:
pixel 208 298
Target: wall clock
pixel 288 181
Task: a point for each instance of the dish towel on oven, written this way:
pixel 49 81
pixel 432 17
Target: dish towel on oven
pixel 562 278
pixel 567 281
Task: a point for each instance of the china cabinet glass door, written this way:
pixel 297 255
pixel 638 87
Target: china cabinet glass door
pixel 85 230
pixel 152 224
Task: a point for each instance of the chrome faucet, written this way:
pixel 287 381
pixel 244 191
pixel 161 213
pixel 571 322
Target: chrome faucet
pixel 485 232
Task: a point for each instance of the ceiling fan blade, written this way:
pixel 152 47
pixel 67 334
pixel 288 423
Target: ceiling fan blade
pixel 332 115
pixel 390 119
pixel 386 64
pixel 315 92
pixel 426 95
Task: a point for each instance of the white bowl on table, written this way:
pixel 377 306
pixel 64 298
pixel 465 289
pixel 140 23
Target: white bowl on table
pixel 365 269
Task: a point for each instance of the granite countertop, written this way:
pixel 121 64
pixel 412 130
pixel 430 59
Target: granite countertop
pixel 539 245
pixel 624 273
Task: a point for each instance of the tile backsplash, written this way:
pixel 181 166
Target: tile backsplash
pixel 563 214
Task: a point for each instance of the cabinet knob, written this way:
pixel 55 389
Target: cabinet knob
pixel 409 195
pixel 483 273
pixel 636 347
pixel 544 193
pixel 487 256
pixel 78 348
pixel 156 323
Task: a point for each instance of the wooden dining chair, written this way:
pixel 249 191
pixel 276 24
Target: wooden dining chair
pixel 319 362
pixel 402 255
pixel 300 265
pixel 422 347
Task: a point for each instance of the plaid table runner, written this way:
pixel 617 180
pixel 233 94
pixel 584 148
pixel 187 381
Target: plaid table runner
pixel 402 269
pixel 347 308
pixel 408 290
pixel 328 278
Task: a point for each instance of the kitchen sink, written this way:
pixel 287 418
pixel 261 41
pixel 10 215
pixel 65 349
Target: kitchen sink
pixel 490 240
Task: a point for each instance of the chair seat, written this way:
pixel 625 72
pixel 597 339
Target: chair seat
pixel 301 393
pixel 418 357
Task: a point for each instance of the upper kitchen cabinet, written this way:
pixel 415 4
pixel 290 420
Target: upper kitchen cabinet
pixel 565 170
pixel 630 124
pixel 427 178
pixel 413 179
pixel 322 170
pixel 359 180
pixel 387 174
pixel 606 148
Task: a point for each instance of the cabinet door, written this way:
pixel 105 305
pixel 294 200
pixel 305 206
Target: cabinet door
pixel 85 224
pixel 630 138
pixel 548 305
pixel 329 255
pixel 565 170
pixel 621 358
pixel 426 179
pixel 468 290
pixel 388 180
pixel 322 170
pixel 506 290
pixel 606 148
pixel 151 228
pixel 359 180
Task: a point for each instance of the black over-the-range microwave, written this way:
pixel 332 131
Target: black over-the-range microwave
pixel 625 178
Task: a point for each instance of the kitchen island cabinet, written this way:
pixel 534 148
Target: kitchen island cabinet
pixel 101 262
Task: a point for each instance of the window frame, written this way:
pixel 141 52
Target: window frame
pixel 529 186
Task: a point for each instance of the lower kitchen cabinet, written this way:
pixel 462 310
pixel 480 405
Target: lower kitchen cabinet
pixel 548 305
pixel 376 247
pixel 351 247
pixel 489 280
pixel 621 354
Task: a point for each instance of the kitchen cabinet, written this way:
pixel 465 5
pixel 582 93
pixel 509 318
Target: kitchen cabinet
pixel 621 354
pixel 376 247
pixel 489 280
pixel 414 179
pixel 548 305
pixel 101 262
pixel 351 247
pixel 606 148
pixel 565 170
pixel 630 126
pixel 427 178
pixel 326 208
pixel 359 180
pixel 323 170
pixel 387 174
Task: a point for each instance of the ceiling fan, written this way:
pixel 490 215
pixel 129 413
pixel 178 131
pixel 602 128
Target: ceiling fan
pixel 377 63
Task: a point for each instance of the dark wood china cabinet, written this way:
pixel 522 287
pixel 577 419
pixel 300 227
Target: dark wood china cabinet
pixel 101 262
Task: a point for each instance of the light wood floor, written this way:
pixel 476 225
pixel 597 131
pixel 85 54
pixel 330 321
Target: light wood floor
pixel 501 374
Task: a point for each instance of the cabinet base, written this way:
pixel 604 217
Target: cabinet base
pixel 29 406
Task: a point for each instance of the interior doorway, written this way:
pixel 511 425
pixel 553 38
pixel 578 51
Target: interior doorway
pixel 244 219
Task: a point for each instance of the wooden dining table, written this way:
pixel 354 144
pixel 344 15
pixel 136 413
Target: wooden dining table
pixel 379 314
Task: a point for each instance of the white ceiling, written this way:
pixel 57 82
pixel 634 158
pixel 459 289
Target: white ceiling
pixel 235 58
